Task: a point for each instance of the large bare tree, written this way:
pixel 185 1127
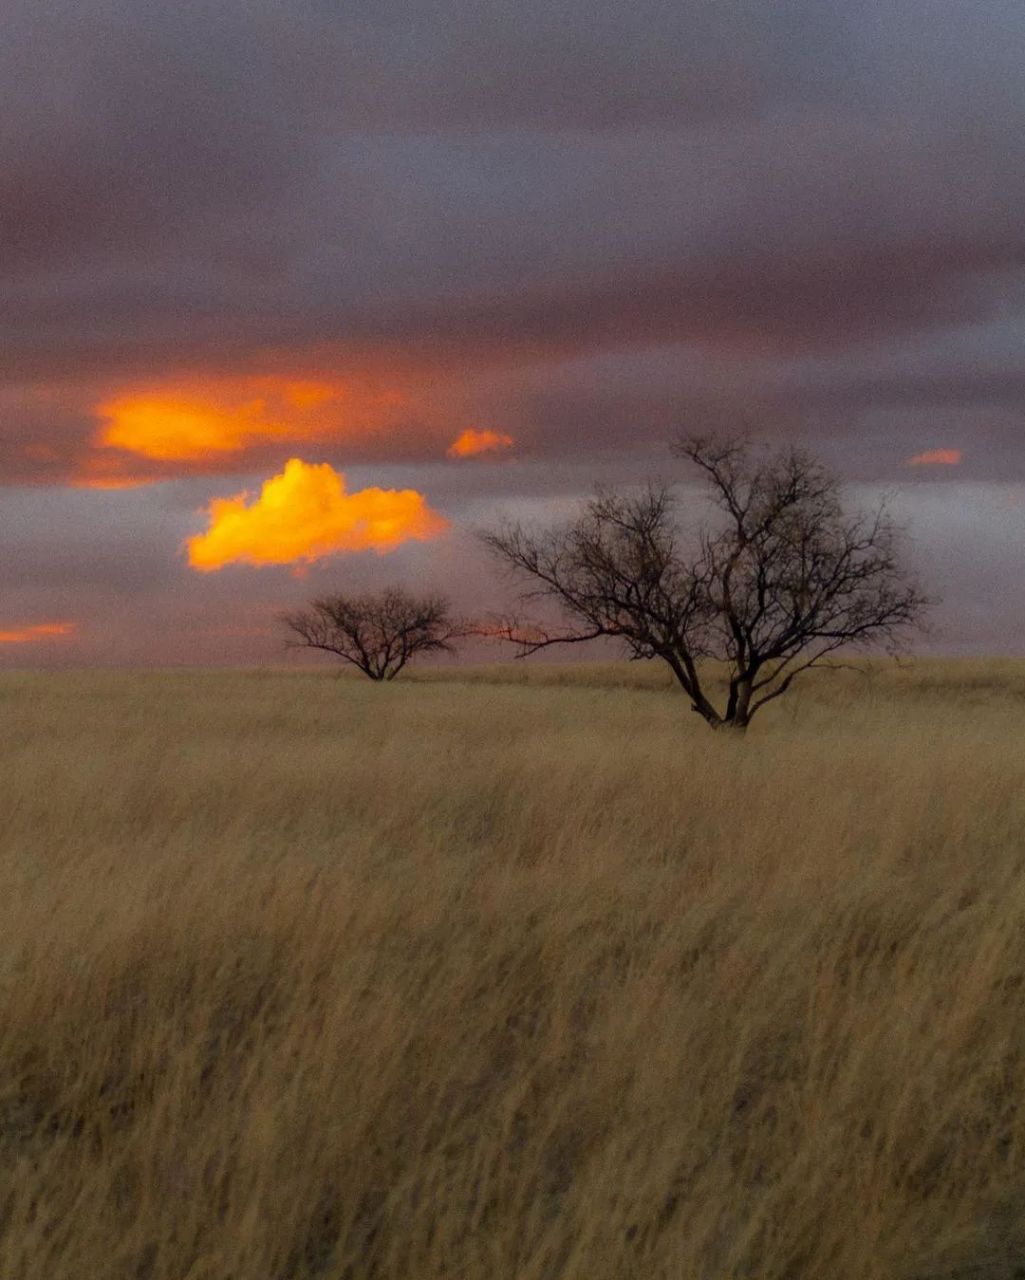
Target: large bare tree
pixel 780 581
pixel 377 632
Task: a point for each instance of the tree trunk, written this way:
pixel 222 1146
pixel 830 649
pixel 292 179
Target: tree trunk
pixel 730 724
pixel 707 713
pixel 742 711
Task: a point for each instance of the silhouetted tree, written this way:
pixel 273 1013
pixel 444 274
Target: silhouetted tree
pixel 376 632
pixel 781 581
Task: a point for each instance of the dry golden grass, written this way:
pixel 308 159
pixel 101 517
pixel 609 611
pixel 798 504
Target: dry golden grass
pixel 304 977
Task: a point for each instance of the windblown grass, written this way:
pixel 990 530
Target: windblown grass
pixel 304 977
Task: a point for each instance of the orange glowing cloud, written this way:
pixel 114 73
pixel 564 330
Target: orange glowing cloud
pixel 169 430
pixel 200 420
pixel 937 458
pixel 304 514
pixel 472 442
pixel 32 632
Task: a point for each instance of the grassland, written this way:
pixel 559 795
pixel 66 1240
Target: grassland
pixel 521 974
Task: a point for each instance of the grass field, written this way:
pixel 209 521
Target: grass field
pixel 519 972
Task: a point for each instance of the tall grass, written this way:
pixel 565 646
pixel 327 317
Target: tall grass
pixel 304 977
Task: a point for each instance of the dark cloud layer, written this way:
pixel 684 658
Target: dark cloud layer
pixel 579 223
pixel 212 181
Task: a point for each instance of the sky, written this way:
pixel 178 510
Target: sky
pixel 297 295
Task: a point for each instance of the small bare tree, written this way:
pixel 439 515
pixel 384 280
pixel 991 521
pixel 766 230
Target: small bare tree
pixel 377 632
pixel 781 582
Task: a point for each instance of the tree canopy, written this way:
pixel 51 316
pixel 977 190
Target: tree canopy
pixel 377 632
pixel 780 581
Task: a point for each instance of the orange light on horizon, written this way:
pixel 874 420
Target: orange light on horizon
pixel 305 514
pixel 471 442
pixel 937 458
pixel 30 632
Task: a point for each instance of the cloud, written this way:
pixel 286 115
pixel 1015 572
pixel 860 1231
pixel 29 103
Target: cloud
pixel 803 173
pixel 305 514
pixel 471 442
pixel 111 471
pixel 741 185
pixel 936 458
pixel 170 430
pixel 33 632
pixel 200 420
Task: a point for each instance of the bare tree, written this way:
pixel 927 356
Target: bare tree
pixel 782 581
pixel 377 632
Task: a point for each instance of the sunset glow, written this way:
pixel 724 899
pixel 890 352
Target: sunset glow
pixel 32 632
pixel 195 421
pixel 472 442
pixel 174 430
pixel 937 458
pixel 304 514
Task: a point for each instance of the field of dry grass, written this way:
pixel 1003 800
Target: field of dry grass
pixel 520 974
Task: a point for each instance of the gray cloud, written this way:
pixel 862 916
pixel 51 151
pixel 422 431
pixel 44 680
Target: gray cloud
pixel 201 182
